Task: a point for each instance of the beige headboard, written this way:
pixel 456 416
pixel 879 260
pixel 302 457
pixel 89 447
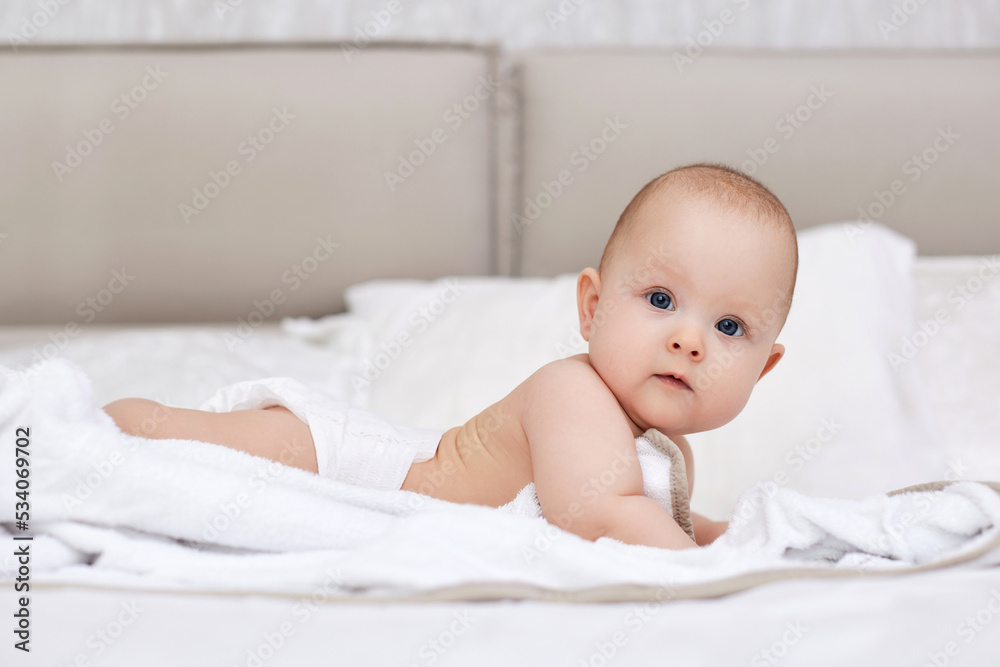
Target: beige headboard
pixel 608 122
pixel 197 183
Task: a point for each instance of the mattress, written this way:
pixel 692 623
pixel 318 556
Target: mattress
pixel 871 621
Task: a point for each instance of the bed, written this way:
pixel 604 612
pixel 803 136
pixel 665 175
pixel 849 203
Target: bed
pixel 266 210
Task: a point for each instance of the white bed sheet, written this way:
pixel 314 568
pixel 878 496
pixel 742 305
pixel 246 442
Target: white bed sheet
pixel 869 621
pixel 178 365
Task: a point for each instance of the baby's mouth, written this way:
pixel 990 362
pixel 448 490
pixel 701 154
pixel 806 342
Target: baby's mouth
pixel 674 381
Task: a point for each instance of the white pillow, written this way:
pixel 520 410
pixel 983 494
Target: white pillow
pixel 444 350
pixel 833 417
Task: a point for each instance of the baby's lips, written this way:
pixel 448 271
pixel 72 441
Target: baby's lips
pixel 676 376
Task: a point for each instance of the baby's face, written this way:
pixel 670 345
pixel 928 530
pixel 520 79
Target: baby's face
pixel 694 292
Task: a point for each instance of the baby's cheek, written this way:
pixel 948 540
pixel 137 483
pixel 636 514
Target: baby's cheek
pixel 739 394
pixel 726 398
pixel 723 412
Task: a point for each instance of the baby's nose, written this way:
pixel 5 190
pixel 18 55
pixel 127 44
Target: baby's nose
pixel 686 340
pixel 692 350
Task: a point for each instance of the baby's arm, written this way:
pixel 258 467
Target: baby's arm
pixel 585 467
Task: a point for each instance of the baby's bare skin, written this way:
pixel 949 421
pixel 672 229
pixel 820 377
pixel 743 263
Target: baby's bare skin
pixel 488 460
pixel 681 323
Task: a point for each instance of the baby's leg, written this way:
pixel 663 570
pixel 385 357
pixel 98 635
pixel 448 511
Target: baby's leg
pixel 273 433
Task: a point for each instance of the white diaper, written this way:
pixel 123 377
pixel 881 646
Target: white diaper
pixel 352 445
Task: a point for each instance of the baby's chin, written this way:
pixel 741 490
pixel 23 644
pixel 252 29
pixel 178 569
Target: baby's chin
pixel 671 425
pixel 668 425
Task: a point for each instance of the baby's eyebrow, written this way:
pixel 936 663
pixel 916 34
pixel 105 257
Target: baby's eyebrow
pixel 738 304
pixel 742 309
pixel 656 273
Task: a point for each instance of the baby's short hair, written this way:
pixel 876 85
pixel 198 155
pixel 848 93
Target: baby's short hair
pixel 724 186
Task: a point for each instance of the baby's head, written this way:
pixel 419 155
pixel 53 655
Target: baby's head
pixel 695 282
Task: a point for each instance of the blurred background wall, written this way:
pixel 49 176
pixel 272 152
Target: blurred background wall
pixel 522 24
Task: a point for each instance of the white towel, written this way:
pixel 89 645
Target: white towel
pixel 183 514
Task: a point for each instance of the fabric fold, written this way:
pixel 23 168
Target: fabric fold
pixel 187 515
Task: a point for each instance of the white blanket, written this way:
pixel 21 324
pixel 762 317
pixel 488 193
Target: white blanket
pixel 108 508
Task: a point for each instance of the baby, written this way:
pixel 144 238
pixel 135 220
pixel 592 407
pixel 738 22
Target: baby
pixel 681 318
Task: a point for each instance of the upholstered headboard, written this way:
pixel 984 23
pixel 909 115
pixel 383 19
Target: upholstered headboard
pixel 196 183
pixel 910 139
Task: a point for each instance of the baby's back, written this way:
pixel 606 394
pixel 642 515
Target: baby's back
pixel 486 461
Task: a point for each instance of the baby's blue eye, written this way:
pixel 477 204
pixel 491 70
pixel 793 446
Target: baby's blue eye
pixel 729 327
pixel 660 300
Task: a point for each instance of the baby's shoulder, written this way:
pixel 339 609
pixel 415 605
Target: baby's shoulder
pixel 571 378
pixel 575 368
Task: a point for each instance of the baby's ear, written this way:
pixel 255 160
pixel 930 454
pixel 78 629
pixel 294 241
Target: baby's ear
pixel 777 352
pixel 588 290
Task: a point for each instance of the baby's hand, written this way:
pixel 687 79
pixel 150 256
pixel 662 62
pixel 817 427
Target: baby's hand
pixel 707 531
